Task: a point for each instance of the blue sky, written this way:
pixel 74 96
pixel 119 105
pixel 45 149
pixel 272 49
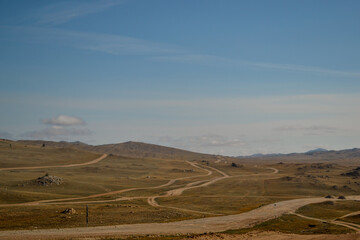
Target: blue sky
pixel 223 77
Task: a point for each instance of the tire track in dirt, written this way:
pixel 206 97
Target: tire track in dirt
pixel 58 166
pixel 66 200
pixel 210 224
pixel 177 192
pixel 352 226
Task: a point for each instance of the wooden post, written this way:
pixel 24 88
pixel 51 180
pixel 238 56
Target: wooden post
pixel 87 215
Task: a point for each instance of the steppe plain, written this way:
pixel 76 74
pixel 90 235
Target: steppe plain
pixel 143 191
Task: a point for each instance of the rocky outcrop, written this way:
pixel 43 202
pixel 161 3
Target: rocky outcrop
pixel 355 173
pixel 49 180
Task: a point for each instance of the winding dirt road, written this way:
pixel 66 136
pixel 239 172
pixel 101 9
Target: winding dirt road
pixel 213 224
pixel 352 226
pixel 337 221
pixel 59 166
pixel 71 200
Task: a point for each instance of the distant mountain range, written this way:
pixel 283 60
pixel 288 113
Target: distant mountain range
pixel 145 150
pixel 347 156
pixel 311 152
pixel 318 150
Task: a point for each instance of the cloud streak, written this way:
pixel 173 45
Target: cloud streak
pixel 63 12
pixel 105 43
pixel 213 142
pixel 161 52
pixel 314 129
pixel 216 60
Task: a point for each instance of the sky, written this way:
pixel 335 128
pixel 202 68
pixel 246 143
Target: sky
pixel 217 76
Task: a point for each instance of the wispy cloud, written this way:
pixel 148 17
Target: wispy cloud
pixel 203 143
pixel 64 120
pixel 124 45
pixel 311 129
pixel 302 68
pixel 311 104
pixel 105 43
pixel 62 12
pixel 216 60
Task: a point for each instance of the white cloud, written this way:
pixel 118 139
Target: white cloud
pixel 63 120
pixel 61 128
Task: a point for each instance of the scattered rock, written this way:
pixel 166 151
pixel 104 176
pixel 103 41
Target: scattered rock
pixel 329 196
pixel 49 180
pixel 317 166
pixel 341 197
pixel 236 165
pixel 355 173
pixel 287 178
pixel 182 170
pixel 312 225
pixel 69 211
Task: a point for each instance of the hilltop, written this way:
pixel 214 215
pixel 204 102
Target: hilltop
pixel 131 149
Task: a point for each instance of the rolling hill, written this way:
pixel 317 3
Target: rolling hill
pixel 131 149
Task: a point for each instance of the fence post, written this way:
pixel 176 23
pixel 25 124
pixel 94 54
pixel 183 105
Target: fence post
pixel 87 216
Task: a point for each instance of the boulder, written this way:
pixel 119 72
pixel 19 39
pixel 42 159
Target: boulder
pixel 329 196
pixel 69 211
pixel 49 180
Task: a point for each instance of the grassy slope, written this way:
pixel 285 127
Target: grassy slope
pixel 294 224
pixel 329 210
pixel 353 219
pixel 32 217
pixel 132 149
pixel 13 154
pixel 113 173
pixel 241 194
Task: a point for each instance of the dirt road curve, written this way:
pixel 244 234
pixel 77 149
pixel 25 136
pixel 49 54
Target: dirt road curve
pixel 337 222
pixel 211 224
pixel 59 166
pixel 276 236
pixel 59 201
